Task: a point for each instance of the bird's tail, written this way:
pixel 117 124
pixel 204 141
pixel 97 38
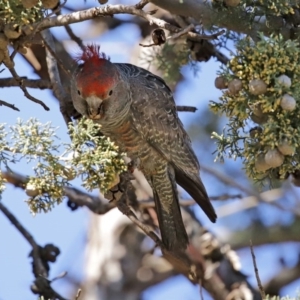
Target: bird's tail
pixel 172 229
pixel 194 186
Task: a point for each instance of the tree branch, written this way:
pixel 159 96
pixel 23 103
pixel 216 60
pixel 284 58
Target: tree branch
pixel 281 279
pixel 97 205
pixel 236 19
pixel 74 37
pixel 252 200
pixel 186 108
pixel 261 289
pixel 206 261
pixel 262 235
pixel 109 10
pixel 42 284
pixel 23 88
pixel 12 106
pixel 53 71
pixel 30 83
pixel 142 4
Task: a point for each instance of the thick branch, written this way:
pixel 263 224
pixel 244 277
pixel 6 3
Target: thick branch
pixel 53 71
pixel 110 10
pixel 96 204
pixel 102 11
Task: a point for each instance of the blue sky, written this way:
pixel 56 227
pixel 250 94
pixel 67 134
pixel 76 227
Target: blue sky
pixel 67 229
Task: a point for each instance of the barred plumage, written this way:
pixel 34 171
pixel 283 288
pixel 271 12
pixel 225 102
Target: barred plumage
pixel 136 110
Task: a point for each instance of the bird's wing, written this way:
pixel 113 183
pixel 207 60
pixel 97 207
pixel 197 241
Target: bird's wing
pixel 156 118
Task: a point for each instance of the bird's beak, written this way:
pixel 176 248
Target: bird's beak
pixel 94 107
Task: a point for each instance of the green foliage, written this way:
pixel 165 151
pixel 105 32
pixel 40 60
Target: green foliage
pixel 266 61
pixel 95 157
pixel 169 58
pixel 276 7
pixel 12 11
pixel 90 156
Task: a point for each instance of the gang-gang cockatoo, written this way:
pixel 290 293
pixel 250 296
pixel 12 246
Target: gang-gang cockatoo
pixel 137 111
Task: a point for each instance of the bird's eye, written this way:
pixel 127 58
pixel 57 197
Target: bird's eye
pixel 110 93
pixel 78 92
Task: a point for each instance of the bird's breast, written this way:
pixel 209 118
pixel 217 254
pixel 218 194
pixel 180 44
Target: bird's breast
pixel 130 141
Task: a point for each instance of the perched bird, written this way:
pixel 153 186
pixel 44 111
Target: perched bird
pixel 137 111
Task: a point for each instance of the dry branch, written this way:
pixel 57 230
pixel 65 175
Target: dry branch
pixel 12 106
pixel 54 75
pixel 30 83
pixel 24 89
pixel 261 289
pixel 204 256
pixel 110 10
pixel 42 284
pixel 281 279
pixel 186 108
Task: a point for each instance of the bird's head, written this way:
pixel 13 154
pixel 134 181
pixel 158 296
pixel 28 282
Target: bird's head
pixel 98 85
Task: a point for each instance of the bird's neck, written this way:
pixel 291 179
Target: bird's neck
pixel 113 121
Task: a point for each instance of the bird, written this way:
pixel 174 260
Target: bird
pixel 137 111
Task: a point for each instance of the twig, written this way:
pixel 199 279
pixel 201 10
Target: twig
pixel 78 294
pixel 23 88
pixel 201 290
pixel 261 289
pixel 12 106
pixel 189 202
pixel 19 226
pixel 249 202
pixel 198 37
pixel 182 32
pixel 222 58
pixel 186 108
pixel 225 197
pixel 149 45
pixel 282 278
pixel 241 187
pixel 57 9
pixel 31 83
pixel 74 37
pixel 60 276
pixel 142 4
pixel 133 218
